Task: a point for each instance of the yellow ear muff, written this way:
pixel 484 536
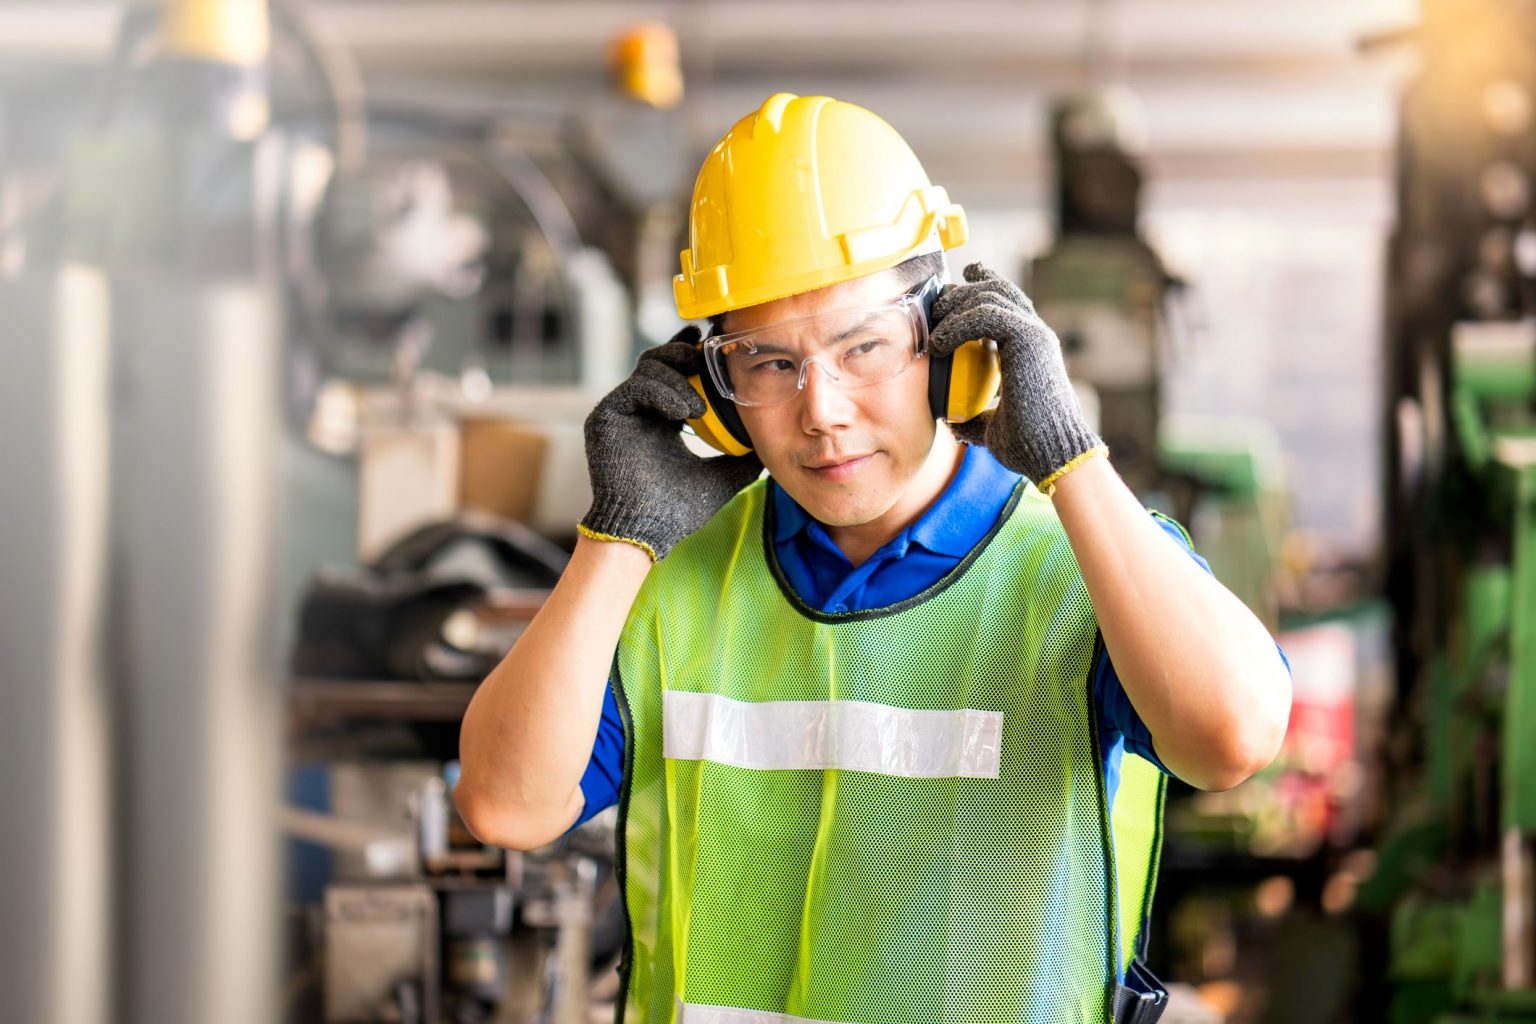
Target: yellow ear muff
pixel 710 429
pixel 974 378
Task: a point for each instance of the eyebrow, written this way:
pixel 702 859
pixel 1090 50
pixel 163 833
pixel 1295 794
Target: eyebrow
pixel 843 335
pixel 851 330
pixel 854 328
pixel 772 350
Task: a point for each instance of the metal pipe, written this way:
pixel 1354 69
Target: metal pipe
pixel 55 960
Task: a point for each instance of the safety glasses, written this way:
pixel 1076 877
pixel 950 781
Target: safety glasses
pixel 855 347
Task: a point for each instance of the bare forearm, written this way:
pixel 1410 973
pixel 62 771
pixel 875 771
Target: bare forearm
pixel 528 733
pixel 1200 669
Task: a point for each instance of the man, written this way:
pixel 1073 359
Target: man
pixel 873 711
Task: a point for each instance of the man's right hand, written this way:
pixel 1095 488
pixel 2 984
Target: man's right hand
pixel 527 736
pixel 648 489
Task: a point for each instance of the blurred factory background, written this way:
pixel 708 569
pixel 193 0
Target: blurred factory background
pixel 302 305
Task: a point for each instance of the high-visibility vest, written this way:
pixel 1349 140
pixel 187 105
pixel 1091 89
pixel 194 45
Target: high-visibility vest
pixel 889 816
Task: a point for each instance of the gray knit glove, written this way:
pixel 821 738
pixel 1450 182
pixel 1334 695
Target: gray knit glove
pixel 1038 426
pixel 648 489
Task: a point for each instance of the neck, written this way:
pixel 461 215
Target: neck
pixel 858 542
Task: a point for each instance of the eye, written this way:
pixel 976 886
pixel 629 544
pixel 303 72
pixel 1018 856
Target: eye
pixel 769 366
pixel 865 348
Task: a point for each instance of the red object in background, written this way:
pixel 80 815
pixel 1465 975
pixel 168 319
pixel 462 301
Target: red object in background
pixel 1320 738
pixel 1316 775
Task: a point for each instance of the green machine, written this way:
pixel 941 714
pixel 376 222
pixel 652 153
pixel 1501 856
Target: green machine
pixel 1455 880
pixel 1225 479
pixel 1457 869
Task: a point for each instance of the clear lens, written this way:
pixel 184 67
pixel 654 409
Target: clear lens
pixel 855 347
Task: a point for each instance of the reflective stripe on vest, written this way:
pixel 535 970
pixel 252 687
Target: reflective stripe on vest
pixel 693 1013
pixel 886 817
pixel 848 734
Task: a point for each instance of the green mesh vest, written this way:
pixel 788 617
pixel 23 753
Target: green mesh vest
pixel 894 816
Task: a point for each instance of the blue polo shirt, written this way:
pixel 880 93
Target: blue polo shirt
pixel 910 562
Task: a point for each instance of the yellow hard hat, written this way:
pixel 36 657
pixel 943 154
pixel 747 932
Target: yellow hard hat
pixel 806 192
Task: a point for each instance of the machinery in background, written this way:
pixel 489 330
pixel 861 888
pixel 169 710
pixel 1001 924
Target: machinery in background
pixel 445 282
pixel 420 924
pixel 412 613
pixel 195 240
pixel 638 162
pixel 1224 479
pixel 1111 300
pixel 452 252
pixel 416 921
pixel 144 340
pixel 1239 868
pixel 1455 878
pixel 1101 286
pixel 456 329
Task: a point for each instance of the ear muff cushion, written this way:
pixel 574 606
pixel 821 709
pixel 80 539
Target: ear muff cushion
pixel 708 426
pixel 725 411
pixel 962 384
pixel 975 376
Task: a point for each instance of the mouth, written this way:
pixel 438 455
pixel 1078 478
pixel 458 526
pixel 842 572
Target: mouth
pixel 840 469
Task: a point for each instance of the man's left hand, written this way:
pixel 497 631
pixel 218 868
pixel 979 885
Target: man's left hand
pixel 1038 426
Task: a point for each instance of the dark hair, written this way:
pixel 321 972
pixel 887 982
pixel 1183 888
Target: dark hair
pixel 909 272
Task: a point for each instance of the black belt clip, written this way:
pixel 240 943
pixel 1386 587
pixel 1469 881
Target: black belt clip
pixel 1142 999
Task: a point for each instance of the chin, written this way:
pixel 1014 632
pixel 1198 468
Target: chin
pixel 845 511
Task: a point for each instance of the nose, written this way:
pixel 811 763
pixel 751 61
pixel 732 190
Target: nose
pixel 825 405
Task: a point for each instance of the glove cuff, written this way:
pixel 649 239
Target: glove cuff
pixel 607 538
pixel 1047 486
pixel 615 521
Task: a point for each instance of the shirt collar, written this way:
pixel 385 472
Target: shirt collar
pixel 788 517
pixel 953 525
pixel 969 506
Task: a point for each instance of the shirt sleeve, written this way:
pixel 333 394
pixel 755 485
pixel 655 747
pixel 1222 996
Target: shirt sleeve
pixel 605 769
pixel 1116 715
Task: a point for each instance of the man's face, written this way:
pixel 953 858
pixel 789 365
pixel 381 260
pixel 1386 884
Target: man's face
pixel 848 456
